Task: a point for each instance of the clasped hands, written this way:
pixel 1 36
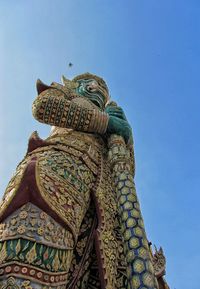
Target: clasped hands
pixel 118 123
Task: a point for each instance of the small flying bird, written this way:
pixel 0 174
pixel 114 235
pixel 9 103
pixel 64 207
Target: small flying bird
pixel 70 64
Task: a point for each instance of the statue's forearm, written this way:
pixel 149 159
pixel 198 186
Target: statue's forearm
pixel 52 107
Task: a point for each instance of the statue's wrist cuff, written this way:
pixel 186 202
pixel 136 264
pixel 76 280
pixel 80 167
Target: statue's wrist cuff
pixel 99 122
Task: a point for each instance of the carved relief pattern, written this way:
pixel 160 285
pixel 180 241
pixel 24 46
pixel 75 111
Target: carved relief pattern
pixel 64 182
pixel 33 223
pixel 30 250
pixel 80 272
pixel 17 283
pixel 106 235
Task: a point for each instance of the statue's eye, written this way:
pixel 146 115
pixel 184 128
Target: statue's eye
pixel 93 82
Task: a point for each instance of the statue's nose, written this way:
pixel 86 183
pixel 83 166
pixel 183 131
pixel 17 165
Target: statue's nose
pixel 92 86
pixel 89 88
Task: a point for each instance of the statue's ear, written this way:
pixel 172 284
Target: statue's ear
pixel 40 86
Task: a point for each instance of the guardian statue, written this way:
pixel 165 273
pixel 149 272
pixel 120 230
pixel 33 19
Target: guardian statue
pixel 70 217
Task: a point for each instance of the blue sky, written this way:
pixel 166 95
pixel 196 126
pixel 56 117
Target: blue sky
pixel 149 53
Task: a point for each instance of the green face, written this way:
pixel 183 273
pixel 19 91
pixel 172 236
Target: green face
pixel 90 89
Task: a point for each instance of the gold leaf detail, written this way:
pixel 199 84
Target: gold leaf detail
pixel 3 253
pixel 56 262
pixel 18 247
pixel 32 254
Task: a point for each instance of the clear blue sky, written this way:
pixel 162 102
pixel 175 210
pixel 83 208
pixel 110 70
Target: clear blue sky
pixel 149 53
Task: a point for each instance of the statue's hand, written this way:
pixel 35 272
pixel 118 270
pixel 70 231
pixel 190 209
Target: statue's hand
pixel 115 111
pixel 118 123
